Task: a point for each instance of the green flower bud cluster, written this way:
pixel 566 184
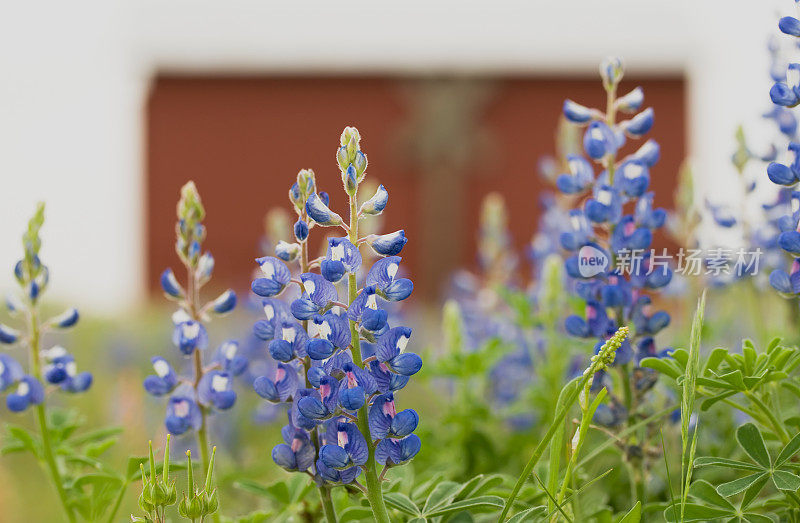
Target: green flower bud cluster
pixel 190 229
pixel 300 192
pixel 157 493
pixel 29 271
pixel 352 162
pixel 199 503
pixel 605 356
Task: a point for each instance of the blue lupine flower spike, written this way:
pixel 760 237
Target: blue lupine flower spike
pixel 55 365
pixel 336 359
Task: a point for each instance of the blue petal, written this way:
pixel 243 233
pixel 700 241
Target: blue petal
pixel 399 289
pixel 312 407
pixel 300 230
pixel 282 455
pixel 224 303
pixel 780 282
pixel 331 270
pixel 334 456
pixel 789 25
pixel 281 350
pixel 406 364
pixel 576 113
pixel 389 244
pixel 640 124
pixel 374 319
pixel 576 326
pixel 351 399
pixel 405 423
pixel 319 349
pixel 789 241
pixel 377 203
pixel 392 343
pixel 782 94
pixel 170 284
pixel 781 174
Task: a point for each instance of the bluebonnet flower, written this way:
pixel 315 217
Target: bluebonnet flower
pixel 608 245
pixel 54 365
pixel 784 169
pixel 29 392
pixel 388 244
pixel 209 387
pixel 183 413
pixel 337 357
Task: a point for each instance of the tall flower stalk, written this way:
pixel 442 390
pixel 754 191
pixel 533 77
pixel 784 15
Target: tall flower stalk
pixel 613 268
pixel 54 366
pixel 208 387
pixel 785 171
pixel 339 362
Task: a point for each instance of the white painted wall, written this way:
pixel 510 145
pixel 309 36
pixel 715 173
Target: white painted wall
pixel 75 76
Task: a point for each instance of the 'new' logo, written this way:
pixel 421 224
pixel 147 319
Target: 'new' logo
pixel 591 261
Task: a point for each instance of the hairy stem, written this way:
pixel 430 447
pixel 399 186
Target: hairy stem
pixel 776 425
pixel 202 433
pixel 41 416
pixel 327 504
pixel 374 492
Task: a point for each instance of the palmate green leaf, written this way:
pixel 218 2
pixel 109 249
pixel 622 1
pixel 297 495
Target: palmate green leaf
pixel 662 366
pixel 714 383
pixel 95 436
pixel 479 503
pixel 705 492
pixel 259 516
pixel 132 468
pixel 784 480
pixel 735 378
pixel 752 492
pixel 791 387
pixel 710 402
pixel 442 493
pixel 479 485
pixel 706 461
pixel 716 357
pixel 466 489
pixel 736 486
pixel 751 440
pixel 788 451
pixel 531 514
pixel 94 450
pixel 697 512
pixel 634 515
pixel 756 518
pixel 681 356
pixel 299 487
pixel 278 492
pixel 20 439
pixel 750 356
pixel 774 342
pixel 354 513
pixel 422 490
pixel 402 503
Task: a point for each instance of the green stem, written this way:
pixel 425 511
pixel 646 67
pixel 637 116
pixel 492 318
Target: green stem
pixel 41 416
pixel 118 502
pixel 327 504
pixel 598 361
pixel 773 421
pixel 635 470
pixel 202 432
pixel 374 492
